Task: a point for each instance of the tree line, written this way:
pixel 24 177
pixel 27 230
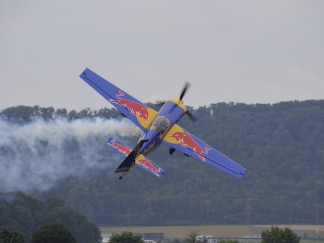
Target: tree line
pixel 281 145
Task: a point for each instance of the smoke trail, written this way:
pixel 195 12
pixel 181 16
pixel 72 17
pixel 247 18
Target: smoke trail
pixel 36 155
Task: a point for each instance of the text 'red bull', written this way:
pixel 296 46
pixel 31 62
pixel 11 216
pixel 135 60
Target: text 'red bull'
pixel 147 164
pixel 122 148
pixel 187 141
pixel 135 108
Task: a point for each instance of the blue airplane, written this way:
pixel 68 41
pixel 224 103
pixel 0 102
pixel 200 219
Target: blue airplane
pixel 158 127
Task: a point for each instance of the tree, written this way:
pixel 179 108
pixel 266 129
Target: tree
pixel 192 237
pixel 277 235
pixel 125 237
pixel 9 234
pixel 27 213
pixel 53 233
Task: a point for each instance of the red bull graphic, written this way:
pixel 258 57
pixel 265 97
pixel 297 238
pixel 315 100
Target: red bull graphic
pixel 122 148
pixel 135 108
pixel 148 165
pixel 187 141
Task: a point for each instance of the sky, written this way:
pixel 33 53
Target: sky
pixel 248 51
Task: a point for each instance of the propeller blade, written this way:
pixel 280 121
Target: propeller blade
pixel 184 90
pixel 191 116
pixel 159 102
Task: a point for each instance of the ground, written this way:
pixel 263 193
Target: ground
pixel 217 230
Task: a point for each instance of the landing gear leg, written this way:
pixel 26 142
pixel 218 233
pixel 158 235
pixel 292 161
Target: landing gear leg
pixel 171 151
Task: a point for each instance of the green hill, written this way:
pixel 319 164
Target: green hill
pixel 281 145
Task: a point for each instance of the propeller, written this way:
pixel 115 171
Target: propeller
pixel 191 116
pixel 159 102
pixel 183 92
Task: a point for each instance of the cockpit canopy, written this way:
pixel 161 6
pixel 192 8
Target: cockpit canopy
pixel 160 123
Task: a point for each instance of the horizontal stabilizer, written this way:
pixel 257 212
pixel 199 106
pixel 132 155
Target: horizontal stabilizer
pixel 148 165
pixel 118 146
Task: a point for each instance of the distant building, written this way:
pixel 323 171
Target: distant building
pixel 215 239
pixel 153 237
pixel 209 238
pixel 105 238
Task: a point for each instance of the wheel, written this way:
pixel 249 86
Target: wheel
pixel 171 151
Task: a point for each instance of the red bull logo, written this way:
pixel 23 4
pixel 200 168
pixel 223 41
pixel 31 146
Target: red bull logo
pixel 188 142
pixel 135 108
pixel 122 148
pixel 147 164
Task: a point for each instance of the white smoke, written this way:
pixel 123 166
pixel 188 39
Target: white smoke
pixel 36 155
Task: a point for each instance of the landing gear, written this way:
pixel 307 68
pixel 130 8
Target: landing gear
pixel 171 151
pixel 121 177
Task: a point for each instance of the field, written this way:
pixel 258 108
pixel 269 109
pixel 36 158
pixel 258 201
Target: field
pixel 183 231
pixel 217 230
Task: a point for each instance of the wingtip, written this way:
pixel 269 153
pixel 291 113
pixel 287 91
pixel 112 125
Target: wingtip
pixel 84 73
pixel 241 174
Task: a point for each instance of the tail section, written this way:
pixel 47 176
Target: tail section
pixel 125 166
pixel 133 157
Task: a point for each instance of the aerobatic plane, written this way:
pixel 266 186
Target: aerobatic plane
pixel 158 127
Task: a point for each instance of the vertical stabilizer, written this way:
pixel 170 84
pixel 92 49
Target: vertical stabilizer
pixel 125 166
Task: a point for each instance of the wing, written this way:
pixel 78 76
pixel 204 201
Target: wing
pixel 130 107
pixel 188 144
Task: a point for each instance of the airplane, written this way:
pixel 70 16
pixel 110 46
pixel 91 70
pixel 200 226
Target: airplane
pixel 158 127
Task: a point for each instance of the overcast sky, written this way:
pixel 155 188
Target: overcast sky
pixel 248 51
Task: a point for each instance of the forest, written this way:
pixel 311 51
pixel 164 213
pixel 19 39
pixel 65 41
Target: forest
pixel 63 154
pixel 24 213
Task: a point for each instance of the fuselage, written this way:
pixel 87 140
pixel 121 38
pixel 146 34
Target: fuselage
pixel 170 113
